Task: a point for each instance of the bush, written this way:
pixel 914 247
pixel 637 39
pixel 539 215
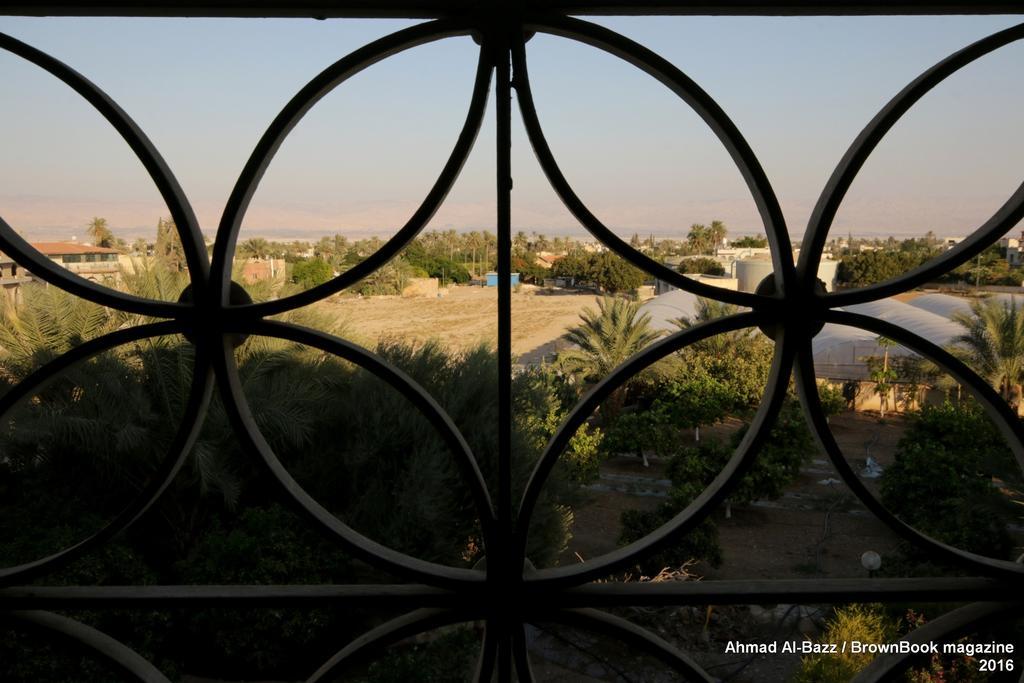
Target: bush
pixel 787 447
pixel 866 623
pixel 311 273
pixel 700 543
pixel 449 658
pixel 606 270
pixel 871 624
pixel 701 265
pixel 832 400
pixel 858 270
pixel 940 482
pixel 262 546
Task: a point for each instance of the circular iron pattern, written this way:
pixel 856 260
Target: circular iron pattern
pixel 506 593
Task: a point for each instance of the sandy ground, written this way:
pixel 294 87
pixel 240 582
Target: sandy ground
pixel 463 318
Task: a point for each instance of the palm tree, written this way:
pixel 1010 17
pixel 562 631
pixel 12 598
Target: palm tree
pixel 883 375
pixel 604 339
pixel 520 241
pixel 100 232
pixel 712 309
pixel 255 247
pixel 993 344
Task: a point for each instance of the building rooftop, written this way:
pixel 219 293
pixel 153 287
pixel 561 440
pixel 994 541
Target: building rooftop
pixel 60 248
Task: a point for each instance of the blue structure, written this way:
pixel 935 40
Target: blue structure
pixel 492 279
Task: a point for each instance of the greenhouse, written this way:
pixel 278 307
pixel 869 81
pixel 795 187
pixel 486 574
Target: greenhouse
pixel 840 352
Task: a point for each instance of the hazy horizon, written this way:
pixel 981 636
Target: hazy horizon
pixel 359 163
pixel 303 235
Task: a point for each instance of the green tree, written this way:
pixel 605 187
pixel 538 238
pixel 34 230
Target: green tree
pixel 751 241
pixel 606 337
pixel 255 247
pixel 704 239
pixel 685 404
pixel 691 470
pixel 702 265
pixel 883 375
pixel 432 256
pixel 574 265
pixel 941 480
pixel 311 272
pixel 614 274
pixel 865 268
pixel 168 246
pixel 101 234
pixel 607 271
pixel 993 344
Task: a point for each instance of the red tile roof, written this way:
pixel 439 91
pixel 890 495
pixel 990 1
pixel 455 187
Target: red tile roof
pixel 61 248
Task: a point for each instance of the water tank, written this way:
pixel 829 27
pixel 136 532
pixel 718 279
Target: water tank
pixel 750 272
pixel 827 273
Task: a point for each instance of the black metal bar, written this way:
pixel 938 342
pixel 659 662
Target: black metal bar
pixel 628 633
pixel 587 219
pixel 485 663
pixel 946 628
pixel 406 386
pixel 773 591
pixel 158 170
pixel 92 641
pixel 832 195
pixel 498 42
pixel 521 655
pixel 289 117
pixel 427 9
pixel 197 402
pixel 506 595
pixel 252 439
pixel 449 174
pixel 369 644
pixel 532 599
pixel 707 109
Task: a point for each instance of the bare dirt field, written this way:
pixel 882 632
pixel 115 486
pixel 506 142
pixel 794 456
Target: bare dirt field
pixel 463 318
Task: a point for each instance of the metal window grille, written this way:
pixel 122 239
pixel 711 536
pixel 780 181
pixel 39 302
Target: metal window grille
pixel 508 593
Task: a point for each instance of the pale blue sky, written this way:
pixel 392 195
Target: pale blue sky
pixel 798 88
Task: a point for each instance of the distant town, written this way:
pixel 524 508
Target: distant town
pixel 451 257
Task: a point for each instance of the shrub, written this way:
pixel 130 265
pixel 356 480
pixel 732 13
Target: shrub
pixel 701 265
pixel 787 447
pixel 940 482
pixel 311 273
pixel 866 623
pixel 261 546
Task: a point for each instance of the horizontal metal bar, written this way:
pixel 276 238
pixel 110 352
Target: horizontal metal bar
pixel 375 595
pixel 612 594
pixel 424 9
pixel 766 591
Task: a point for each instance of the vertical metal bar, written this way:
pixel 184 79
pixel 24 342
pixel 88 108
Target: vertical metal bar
pixel 502 567
pixel 505 653
pixel 503 96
